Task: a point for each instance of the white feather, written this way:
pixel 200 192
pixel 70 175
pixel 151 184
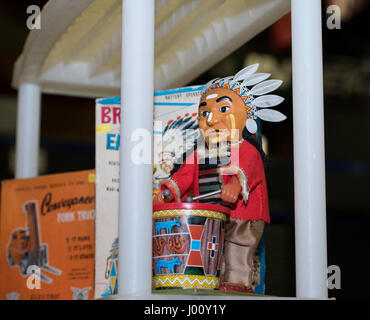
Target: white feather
pixel 209 83
pixel 251 126
pixel 255 78
pixel 270 115
pixel 265 87
pixel 246 72
pixel 267 101
pixel 226 79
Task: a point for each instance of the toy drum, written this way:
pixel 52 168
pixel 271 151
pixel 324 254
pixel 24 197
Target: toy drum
pixel 188 245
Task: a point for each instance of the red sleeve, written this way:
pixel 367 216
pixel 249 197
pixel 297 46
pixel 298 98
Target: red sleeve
pixel 181 181
pixel 256 208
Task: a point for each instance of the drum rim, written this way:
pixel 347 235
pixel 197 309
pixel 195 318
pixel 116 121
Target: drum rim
pixel 191 206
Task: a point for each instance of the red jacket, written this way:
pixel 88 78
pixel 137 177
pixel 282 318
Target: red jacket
pixel 246 163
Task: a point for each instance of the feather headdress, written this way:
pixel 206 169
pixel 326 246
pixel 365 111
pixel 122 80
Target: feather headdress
pixel 255 99
pixel 179 135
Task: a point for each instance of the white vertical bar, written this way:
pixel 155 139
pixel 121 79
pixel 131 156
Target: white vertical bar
pixel 28 130
pixel 309 150
pixel 137 88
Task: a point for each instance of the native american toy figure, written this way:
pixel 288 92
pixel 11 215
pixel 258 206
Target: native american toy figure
pixel 231 163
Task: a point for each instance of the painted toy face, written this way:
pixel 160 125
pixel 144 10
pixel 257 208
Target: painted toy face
pixel 222 116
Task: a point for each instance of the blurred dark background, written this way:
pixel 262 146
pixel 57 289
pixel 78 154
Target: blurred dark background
pixel 68 145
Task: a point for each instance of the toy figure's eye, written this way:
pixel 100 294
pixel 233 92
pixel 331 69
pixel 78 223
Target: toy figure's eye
pixel 204 113
pixel 224 109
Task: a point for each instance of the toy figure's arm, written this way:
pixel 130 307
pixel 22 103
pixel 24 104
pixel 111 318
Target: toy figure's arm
pixel 258 207
pixel 160 198
pixel 246 171
pixel 252 171
pixel 179 183
pixel 230 192
pixel 238 185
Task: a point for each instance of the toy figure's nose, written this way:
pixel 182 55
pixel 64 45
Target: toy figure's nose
pixel 211 120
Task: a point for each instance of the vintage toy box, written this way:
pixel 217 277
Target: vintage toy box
pixel 47 240
pixel 175 133
pixel 174 111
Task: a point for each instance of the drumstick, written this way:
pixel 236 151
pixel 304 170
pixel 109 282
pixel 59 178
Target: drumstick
pixel 190 199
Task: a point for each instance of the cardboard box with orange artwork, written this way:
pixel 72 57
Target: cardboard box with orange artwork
pixel 47 241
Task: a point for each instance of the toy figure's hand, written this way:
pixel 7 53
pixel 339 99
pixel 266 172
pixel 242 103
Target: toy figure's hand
pixel 230 192
pixel 160 199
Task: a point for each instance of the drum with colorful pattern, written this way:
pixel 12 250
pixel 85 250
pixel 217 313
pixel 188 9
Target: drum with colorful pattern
pixel 188 245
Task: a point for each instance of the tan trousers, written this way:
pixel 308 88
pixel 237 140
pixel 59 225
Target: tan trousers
pixel 241 240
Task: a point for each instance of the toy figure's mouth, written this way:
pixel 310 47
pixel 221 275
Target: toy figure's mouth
pixel 217 131
pixel 217 135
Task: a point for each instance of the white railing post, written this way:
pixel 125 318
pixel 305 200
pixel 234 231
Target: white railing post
pixel 135 220
pixel 28 130
pixel 309 150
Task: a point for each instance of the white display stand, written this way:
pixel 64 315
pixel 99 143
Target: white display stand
pixel 78 51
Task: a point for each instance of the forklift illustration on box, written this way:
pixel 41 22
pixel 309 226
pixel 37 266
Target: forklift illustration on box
pixel 25 248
